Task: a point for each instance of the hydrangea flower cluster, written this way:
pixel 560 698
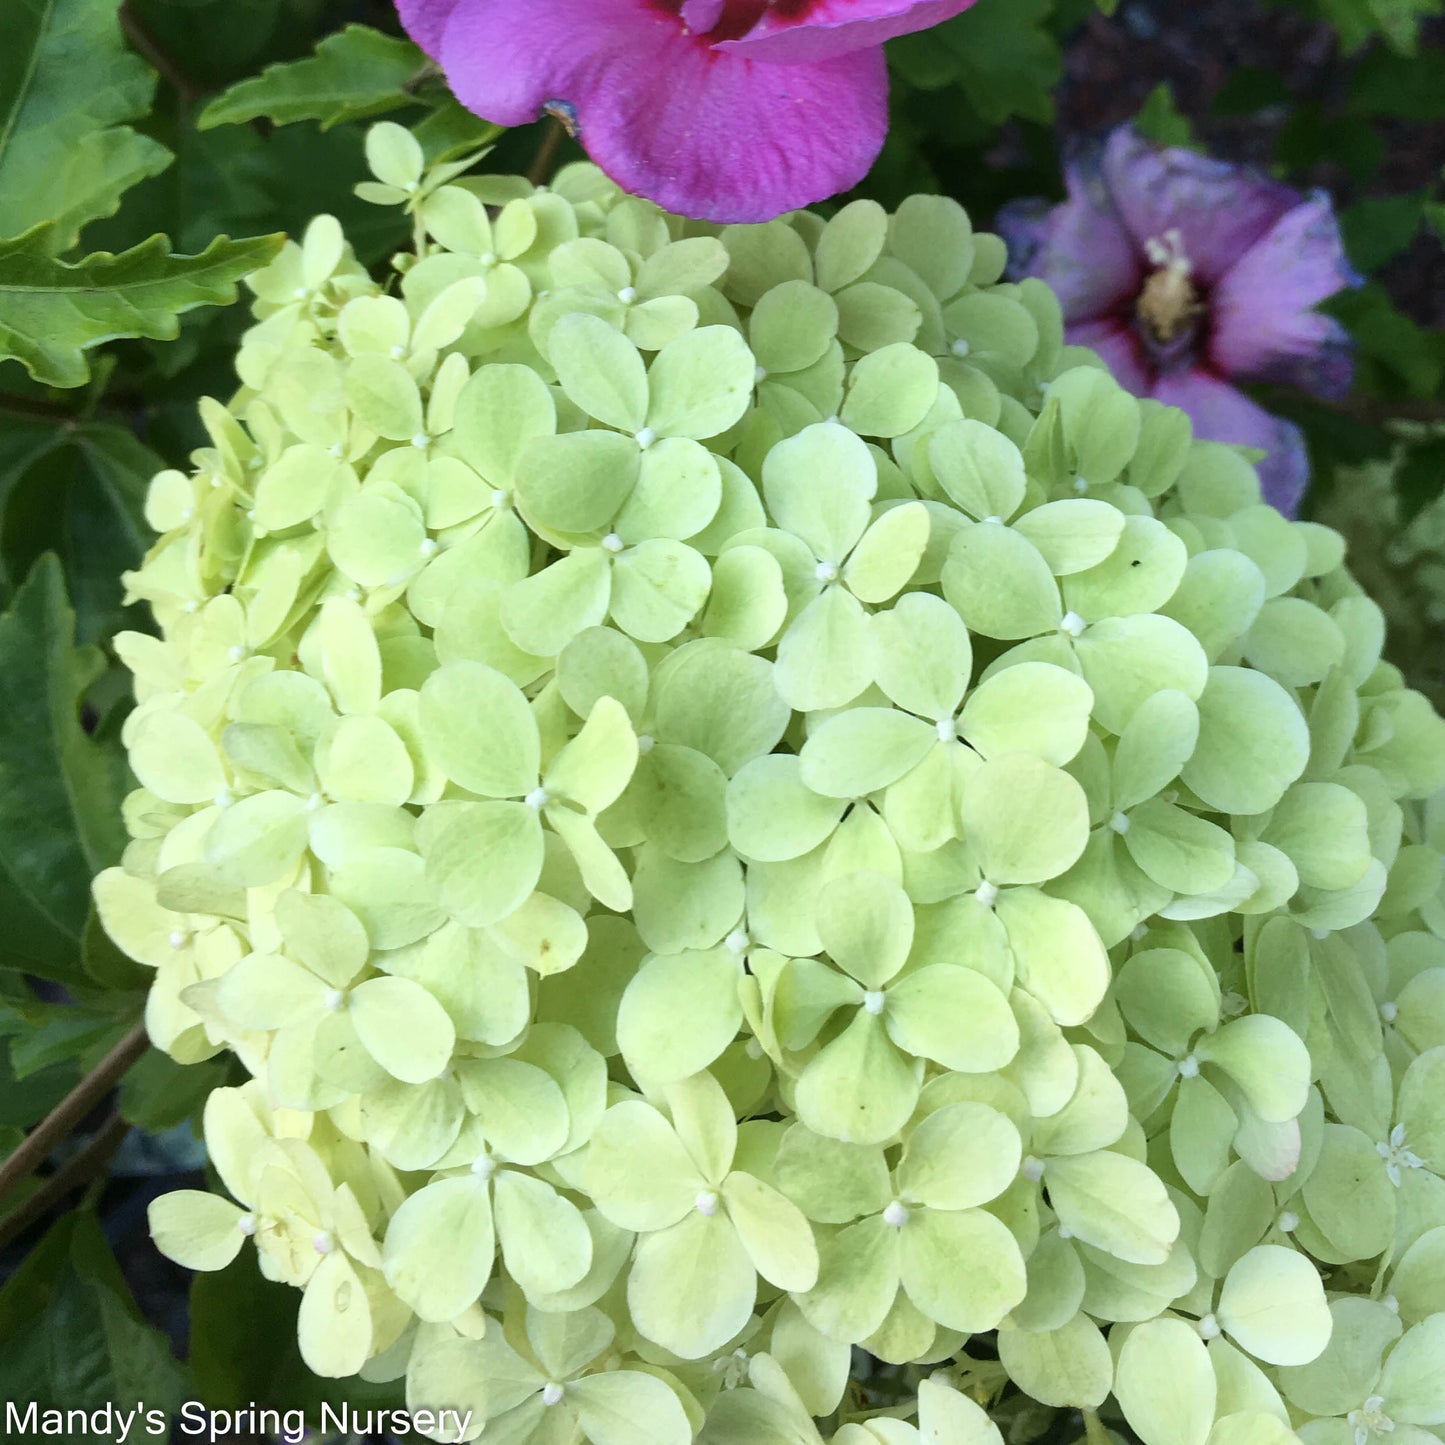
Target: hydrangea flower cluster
pixel 738 799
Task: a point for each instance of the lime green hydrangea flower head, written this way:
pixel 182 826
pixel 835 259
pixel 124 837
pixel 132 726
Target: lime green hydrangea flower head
pixel 739 799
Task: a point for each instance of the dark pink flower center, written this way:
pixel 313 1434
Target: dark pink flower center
pixel 718 20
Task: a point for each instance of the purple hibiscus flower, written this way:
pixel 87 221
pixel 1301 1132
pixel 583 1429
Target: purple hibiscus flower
pixel 727 110
pixel 1185 274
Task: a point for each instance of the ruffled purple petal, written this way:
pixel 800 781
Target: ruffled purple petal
pixel 1219 210
pixel 1118 345
pixel 710 135
pixel 1079 247
pixel 425 20
pixel 789 34
pixel 1223 414
pixel 1264 323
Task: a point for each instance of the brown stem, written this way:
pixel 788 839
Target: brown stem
pixel 186 89
pixel 35 409
pixel 36 1146
pixel 89 1162
pixel 546 156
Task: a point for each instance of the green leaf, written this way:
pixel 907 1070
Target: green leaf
pixel 1003 59
pixel 63 156
pixel 1160 120
pixel 356 73
pixel 78 491
pixel 52 312
pixel 72 1335
pixel 60 791
pixel 158 1094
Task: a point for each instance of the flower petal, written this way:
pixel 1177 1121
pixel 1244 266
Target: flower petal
pixel 700 132
pixel 789 34
pixel 425 21
pixel 1081 248
pixel 1222 413
pixel 1219 210
pixel 1119 346
pixel 1265 326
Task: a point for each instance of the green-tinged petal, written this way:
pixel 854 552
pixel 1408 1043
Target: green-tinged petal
pixel 627 1407
pixel 439 1247
pixel 701 383
pixel 830 1181
pixel 824 657
pixel 979 468
pixel 1059 955
pixel 545 1242
pixel 1273 1305
pixel 1000 583
pixel 960 1156
pixel 1165 1384
pixel 637 1171
pixel 888 553
pixel 922 655
pixel 1070 1366
pixel 679 1013
pixel 1025 820
pixel 817 485
pixel 952 1015
pixel 595 766
pixel 857 1280
pixel 1114 1203
pixel 773 1231
pixel 576 482
pixel 1126 660
pixel 403 1028
pixel 773 815
pixel 866 923
pixel 477 727
pixel 658 587
pixel 962 1267
pixel 1157 742
pixel 1266 1059
pixel 1034 707
pixel 600 370
pixel 1073 535
pixel 197 1230
pixel 334 1324
pixel 692 1286
pixel 543 613
pixel 483 858
pixel 1412 1382
pixel 1253 742
pixel 1177 849
pixel 860 1087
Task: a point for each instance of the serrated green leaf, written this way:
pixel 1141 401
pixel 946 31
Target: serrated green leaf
pixel 356 73
pixel 52 312
pixel 64 157
pixel 60 791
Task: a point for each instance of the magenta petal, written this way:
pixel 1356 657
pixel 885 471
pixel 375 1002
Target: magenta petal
pixel 825 28
pixel 1218 209
pixel 705 134
pixel 1079 247
pixel 1119 347
pixel 1223 414
pixel 425 20
pixel 1265 327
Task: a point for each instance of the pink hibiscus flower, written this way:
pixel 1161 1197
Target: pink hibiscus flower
pixel 726 110
pixel 1185 273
